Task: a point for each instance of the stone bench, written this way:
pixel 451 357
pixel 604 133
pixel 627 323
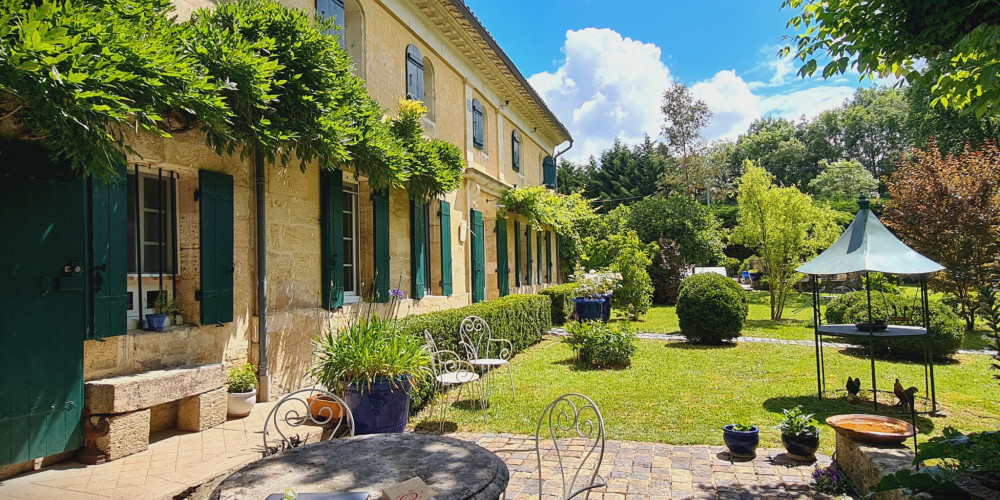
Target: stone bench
pixel 126 401
pixel 866 464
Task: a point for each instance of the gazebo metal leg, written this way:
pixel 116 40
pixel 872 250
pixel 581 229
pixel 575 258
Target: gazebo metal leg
pixel 871 353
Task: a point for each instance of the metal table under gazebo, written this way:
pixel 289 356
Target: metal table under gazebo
pixel 867 246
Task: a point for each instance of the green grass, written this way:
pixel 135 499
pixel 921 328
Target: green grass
pixel 679 393
pixel 796 322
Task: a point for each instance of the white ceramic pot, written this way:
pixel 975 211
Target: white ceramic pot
pixel 240 403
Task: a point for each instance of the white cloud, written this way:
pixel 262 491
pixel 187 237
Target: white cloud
pixel 732 102
pixel 806 102
pixel 608 87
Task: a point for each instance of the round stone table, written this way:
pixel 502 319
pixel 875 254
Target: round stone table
pixel 454 469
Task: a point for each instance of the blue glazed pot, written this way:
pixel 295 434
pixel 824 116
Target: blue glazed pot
pixel 381 408
pixel 755 276
pixel 741 443
pixel 606 308
pixel 156 322
pixel 588 309
pixel 745 275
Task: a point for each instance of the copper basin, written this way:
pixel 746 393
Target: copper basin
pixel 872 428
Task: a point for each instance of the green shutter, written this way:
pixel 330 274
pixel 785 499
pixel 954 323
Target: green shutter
pixel 503 271
pixel 517 253
pixel 548 256
pixel 108 254
pixel 538 250
pixel 478 258
pixel 332 237
pixel 445 247
pixel 417 256
pixel 549 172
pixel 527 255
pixel 216 200
pixel 380 219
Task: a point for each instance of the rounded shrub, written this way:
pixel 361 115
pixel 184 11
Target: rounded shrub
pixel 711 308
pixel 946 328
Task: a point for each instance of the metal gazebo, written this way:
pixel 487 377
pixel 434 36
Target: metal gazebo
pixel 867 246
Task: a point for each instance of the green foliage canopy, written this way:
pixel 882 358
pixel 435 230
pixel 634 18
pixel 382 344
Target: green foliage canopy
pixel 433 166
pixel 843 180
pixel 682 219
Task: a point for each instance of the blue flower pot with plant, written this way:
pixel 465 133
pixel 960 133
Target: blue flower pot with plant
pixel 589 308
pixel 742 440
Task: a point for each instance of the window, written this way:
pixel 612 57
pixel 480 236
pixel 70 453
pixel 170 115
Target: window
pixel 414 74
pixel 478 122
pixel 351 240
pixel 152 236
pixel 429 95
pixel 327 9
pixel 515 153
pixel 549 172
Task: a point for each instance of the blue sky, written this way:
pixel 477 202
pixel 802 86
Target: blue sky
pixel 602 66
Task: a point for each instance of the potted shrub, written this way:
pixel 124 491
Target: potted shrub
pixel 741 439
pixel 596 289
pixel 799 434
pixel 162 307
pixel 376 366
pixel 241 383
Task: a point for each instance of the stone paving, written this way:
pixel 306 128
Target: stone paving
pixel 177 463
pixel 762 340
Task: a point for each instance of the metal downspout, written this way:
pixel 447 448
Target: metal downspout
pixel 263 368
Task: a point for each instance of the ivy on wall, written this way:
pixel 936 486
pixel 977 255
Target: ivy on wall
pixel 567 215
pixel 432 166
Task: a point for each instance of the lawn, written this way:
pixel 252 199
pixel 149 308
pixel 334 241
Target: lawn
pixel 675 392
pixel 796 323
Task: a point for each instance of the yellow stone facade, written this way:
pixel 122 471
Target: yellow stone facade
pixel 463 65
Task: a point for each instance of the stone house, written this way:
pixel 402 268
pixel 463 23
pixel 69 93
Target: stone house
pixel 188 223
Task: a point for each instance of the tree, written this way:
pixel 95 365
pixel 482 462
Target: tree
pixel 624 253
pixel 843 180
pixel 623 175
pixel 947 207
pixel 684 117
pixel 570 177
pixel 950 129
pixel 682 219
pixel 785 228
pixel 823 136
pixel 772 144
pixel 874 128
pixel 957 39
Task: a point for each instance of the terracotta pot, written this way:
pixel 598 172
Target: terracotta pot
pixel 240 403
pixel 324 409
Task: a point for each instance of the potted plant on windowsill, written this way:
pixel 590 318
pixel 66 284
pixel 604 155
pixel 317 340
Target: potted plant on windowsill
pixel 241 383
pixel 162 307
pixel 741 439
pixel 799 434
pixel 376 366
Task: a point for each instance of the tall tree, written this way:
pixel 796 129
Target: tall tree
pixel 785 228
pixel 950 129
pixel 947 207
pixel 823 136
pixel 874 123
pixel 623 175
pixel 684 118
pixel 772 143
pixel 956 38
pixel 843 180
pixel 570 177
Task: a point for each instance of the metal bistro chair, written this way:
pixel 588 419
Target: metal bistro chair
pixel 310 406
pixel 571 418
pixel 451 370
pixel 484 351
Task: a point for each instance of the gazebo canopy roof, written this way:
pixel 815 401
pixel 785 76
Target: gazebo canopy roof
pixel 868 246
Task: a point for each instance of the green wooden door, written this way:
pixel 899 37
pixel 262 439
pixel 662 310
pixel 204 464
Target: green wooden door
pixel 503 269
pixel 478 258
pixel 217 266
pixel 43 321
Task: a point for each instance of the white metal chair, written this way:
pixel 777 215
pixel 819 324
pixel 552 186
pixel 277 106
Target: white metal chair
pixel 312 406
pixel 451 370
pixel 484 351
pixel 567 421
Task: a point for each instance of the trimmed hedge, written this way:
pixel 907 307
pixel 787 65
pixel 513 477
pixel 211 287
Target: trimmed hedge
pixel 562 301
pixel 521 319
pixel 711 308
pixel 947 330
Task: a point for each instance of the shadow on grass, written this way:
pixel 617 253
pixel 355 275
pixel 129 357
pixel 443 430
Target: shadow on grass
pixel 576 365
pixel 828 407
pixel 684 344
pixel 436 426
pixel 861 352
pixel 769 324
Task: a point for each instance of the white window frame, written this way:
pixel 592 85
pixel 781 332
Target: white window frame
pixel 150 281
pixel 350 205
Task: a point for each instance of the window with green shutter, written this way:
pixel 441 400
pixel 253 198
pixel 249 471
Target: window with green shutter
pixel 538 250
pixel 216 210
pixel 527 255
pixel 380 221
pixel 332 236
pixel 418 258
pixel 503 271
pixel 517 253
pixel 109 300
pixel 446 259
pixel 549 172
pixel 478 257
pixel 548 256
